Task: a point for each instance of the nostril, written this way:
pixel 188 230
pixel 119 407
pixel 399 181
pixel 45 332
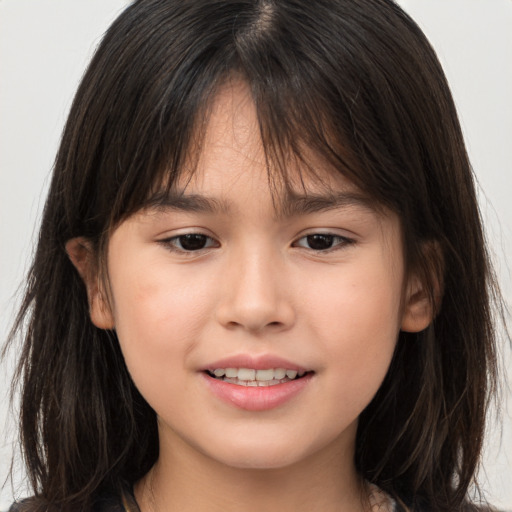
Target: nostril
pixel 255 313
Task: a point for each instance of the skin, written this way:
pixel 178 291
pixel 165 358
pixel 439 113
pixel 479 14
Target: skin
pixel 258 288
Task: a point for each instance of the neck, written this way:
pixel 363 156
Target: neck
pixel 185 479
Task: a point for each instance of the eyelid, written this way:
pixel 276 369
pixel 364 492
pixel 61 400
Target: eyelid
pixel 343 241
pixel 169 243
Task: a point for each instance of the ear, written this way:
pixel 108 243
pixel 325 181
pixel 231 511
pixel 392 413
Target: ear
pixel 82 256
pixel 418 310
pixel 420 307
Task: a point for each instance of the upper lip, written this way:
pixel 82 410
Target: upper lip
pixel 257 362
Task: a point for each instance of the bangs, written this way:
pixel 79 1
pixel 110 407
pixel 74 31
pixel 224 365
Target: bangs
pixel 298 137
pixel 296 160
pixel 334 88
pixel 147 93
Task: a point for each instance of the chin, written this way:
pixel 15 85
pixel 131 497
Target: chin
pixel 260 461
pixel 275 454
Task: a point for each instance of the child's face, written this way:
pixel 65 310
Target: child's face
pixel 318 286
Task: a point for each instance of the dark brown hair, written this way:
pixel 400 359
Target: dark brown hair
pixel 357 82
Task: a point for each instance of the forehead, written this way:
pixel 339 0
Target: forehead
pixel 230 156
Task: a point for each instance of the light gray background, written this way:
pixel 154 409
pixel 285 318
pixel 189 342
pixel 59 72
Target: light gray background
pixel 44 48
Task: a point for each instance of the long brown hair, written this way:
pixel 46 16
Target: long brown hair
pixel 357 82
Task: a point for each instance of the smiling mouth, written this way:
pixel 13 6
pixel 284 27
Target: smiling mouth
pixel 256 378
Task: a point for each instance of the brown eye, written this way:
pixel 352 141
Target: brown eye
pixel 320 242
pixel 190 242
pixel 323 242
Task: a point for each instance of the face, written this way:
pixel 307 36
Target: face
pixel 257 333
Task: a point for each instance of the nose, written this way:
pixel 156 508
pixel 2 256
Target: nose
pixel 255 294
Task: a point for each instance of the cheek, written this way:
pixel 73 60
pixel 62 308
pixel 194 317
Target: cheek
pixel 361 299
pixel 356 321
pixel 157 318
pixel 157 314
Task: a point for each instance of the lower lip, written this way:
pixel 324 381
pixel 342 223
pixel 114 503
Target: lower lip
pixel 257 398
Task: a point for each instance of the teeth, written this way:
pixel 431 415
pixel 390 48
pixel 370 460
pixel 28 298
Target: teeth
pixel 264 374
pixel 279 373
pixel 246 374
pixel 255 383
pixel 232 373
pixel 291 374
pixel 252 377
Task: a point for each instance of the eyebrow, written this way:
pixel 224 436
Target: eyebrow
pixel 173 200
pixel 303 204
pixel 291 205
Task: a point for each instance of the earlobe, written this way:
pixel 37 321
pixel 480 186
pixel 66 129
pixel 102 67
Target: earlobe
pixel 82 256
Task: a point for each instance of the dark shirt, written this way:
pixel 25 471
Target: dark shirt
pixel 116 503
pixel 106 502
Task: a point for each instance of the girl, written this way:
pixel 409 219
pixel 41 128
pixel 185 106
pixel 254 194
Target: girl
pixel 261 280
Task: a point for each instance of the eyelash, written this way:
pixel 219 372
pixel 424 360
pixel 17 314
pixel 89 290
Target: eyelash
pixel 175 243
pixel 339 242
pixel 172 243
